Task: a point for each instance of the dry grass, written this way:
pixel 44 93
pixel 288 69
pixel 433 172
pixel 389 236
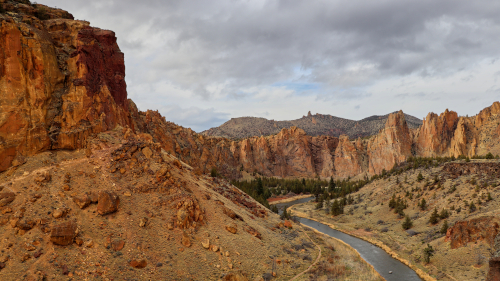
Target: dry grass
pixel 339 262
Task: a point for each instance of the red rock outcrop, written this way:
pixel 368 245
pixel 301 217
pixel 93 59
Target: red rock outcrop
pixel 463 232
pixel 61 80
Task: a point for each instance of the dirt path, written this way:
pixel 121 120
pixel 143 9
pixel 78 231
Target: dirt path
pixel 317 259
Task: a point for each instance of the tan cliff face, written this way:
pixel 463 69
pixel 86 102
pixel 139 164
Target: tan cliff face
pixel 61 80
pixel 391 146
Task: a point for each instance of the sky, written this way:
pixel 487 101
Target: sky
pixel 200 63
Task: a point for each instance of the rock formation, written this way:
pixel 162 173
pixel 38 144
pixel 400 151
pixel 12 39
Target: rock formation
pixel 61 80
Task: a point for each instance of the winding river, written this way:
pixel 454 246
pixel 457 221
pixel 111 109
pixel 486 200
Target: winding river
pixel 378 258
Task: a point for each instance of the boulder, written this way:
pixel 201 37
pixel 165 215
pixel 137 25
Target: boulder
pixel 64 233
pixel 108 202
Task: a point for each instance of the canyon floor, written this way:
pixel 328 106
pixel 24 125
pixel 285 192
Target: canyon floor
pixel 460 254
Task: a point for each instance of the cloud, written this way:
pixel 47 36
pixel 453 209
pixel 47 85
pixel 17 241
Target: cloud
pixel 231 53
pixel 193 117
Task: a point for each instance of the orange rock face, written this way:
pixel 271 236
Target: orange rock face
pixel 463 232
pixel 60 80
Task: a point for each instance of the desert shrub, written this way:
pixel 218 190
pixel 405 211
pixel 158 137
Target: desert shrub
pixel 385 229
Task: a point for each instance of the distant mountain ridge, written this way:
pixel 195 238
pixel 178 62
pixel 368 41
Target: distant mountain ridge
pixel 313 125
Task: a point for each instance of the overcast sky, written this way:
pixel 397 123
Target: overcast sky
pixel 203 62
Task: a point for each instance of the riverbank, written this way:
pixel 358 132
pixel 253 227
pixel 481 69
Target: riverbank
pixel 372 270
pixel 336 260
pixel 280 200
pixel 377 243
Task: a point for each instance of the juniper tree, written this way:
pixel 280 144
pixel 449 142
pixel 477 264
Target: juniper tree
pixel 407 223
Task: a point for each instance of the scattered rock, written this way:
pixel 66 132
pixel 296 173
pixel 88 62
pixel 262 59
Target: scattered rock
pixel 59 213
pixel 6 198
pixel 64 233
pixel 118 245
pixel 79 241
pixel 29 246
pixel 288 224
pixel 26 224
pixel 82 201
pixel 185 240
pixel 232 228
pixel 108 202
pixel 94 197
pixel 143 222
pixel 147 152
pixel 25 257
pixel 215 248
pixel 89 244
pixel 138 264
pixel 205 243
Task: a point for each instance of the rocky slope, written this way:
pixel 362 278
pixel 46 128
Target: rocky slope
pixel 313 125
pixel 125 209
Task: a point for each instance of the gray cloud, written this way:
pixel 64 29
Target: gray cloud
pixel 220 49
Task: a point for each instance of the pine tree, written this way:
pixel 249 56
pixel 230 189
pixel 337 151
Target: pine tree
pixel 444 214
pixel 434 217
pixel 319 205
pixel 423 204
pixel 444 228
pixel 472 207
pixel 392 202
pixel 420 177
pixel 260 186
pixel 428 253
pixel 407 224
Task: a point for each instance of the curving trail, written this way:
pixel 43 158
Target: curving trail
pixel 317 259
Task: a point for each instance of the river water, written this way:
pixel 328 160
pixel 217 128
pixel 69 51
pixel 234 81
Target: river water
pixel 378 258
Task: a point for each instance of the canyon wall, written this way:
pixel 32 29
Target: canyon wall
pixel 292 153
pixel 62 80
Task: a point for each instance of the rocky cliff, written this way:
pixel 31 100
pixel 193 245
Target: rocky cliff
pixel 292 153
pixel 61 80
